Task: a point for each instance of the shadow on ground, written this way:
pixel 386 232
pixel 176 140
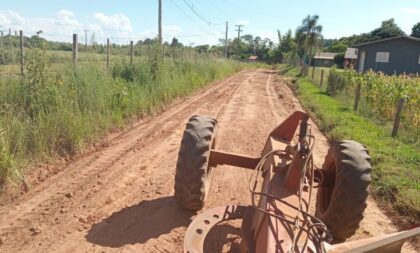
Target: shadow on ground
pixel 139 223
pixel 223 238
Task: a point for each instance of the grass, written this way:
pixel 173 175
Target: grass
pixel 396 173
pixel 56 110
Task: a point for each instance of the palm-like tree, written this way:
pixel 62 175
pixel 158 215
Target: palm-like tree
pixel 309 35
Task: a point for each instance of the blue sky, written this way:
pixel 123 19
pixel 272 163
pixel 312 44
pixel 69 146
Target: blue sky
pixel 127 20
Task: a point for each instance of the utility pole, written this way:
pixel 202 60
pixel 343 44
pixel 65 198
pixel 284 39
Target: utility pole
pixel 226 40
pixel 86 31
pixel 160 22
pixel 239 30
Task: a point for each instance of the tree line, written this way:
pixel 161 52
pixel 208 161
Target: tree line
pixel 292 47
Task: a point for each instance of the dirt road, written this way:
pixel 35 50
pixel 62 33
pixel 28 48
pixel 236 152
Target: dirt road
pixel 119 198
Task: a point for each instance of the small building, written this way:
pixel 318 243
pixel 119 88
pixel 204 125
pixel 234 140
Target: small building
pixel 394 55
pixel 324 60
pixel 350 57
pixel 252 58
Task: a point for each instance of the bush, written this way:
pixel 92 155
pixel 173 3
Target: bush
pixel 336 82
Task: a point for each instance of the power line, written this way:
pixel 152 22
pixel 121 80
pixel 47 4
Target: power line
pixel 191 6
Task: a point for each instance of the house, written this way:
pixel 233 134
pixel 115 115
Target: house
pixel 253 58
pixel 323 59
pixel 394 55
pixel 350 57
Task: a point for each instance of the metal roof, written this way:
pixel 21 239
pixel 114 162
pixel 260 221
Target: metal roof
pixel 387 39
pixel 325 56
pixel 253 57
pixel 351 53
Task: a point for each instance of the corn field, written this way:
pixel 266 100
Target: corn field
pixel 380 95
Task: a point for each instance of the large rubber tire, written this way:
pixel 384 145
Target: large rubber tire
pixel 341 207
pixel 193 175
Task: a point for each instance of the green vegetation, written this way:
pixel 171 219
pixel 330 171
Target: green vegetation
pixel 379 97
pixel 55 110
pixel 396 174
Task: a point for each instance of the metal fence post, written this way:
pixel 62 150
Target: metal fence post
pixel 397 119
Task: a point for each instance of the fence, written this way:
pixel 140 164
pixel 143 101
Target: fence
pixel 14 48
pixel 391 101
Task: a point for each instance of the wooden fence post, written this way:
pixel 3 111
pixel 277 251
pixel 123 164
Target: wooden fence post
pixel 107 53
pixel 322 78
pixel 131 52
pixel 21 53
pixel 313 72
pixel 75 49
pixel 357 97
pixel 400 107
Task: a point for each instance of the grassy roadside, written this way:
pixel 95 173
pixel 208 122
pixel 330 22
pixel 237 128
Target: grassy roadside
pixel 396 173
pixel 56 112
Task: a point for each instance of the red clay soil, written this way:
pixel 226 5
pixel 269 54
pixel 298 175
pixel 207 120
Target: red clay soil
pixel 119 198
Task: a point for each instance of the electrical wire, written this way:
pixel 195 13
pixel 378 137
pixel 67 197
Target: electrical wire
pixel 191 6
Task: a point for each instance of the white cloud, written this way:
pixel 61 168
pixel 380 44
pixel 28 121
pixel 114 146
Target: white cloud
pixel 11 18
pixel 118 22
pixel 410 11
pixel 66 18
pixel 242 22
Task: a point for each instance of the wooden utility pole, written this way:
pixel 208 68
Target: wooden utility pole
pixel 160 22
pixel 75 49
pixel 397 119
pixel 226 40
pixel 239 30
pixel 131 52
pixel 85 37
pixel 21 52
pixel 107 52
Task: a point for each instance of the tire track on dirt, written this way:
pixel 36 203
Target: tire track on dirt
pixel 121 156
pixel 121 196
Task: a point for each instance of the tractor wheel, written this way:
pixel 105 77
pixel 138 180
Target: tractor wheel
pixel 341 206
pixel 193 174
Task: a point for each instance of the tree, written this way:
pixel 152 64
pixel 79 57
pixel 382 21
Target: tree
pixel 309 36
pixel 415 31
pixel 388 29
pixel 175 43
pixel 287 43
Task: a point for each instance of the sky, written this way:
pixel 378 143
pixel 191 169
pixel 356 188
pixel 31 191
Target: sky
pixel 196 22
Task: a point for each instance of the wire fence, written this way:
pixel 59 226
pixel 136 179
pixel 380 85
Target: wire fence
pixel 15 49
pixel 393 102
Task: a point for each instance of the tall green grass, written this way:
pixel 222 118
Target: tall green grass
pixel 57 111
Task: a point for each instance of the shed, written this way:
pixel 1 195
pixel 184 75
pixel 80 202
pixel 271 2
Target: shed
pixel 394 55
pixel 350 57
pixel 253 58
pixel 324 59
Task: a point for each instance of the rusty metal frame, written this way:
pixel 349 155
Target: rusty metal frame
pixel 282 133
